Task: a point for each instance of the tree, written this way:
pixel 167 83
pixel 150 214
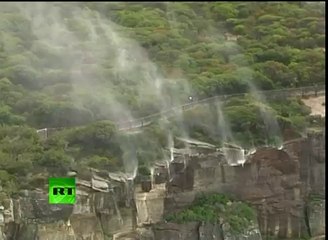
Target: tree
pixel 8 118
pixel 51 114
pixel 55 161
pixel 223 11
pixel 278 73
pixel 98 137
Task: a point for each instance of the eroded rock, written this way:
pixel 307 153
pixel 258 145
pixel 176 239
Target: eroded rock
pixel 275 182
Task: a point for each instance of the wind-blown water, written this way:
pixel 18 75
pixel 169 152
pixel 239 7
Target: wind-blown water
pixel 118 212
pixel 171 146
pixel 122 59
pixel 235 155
pixel 129 185
pixel 223 125
pixel 169 175
pixel 272 128
pixel 170 143
pixel 152 178
pixel 117 62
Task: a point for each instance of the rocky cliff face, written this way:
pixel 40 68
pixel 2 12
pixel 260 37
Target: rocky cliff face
pixel 285 186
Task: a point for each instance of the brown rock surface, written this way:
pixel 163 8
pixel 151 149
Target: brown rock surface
pixel 276 182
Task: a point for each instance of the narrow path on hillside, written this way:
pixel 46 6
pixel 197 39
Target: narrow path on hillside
pixel 269 94
pixel 313 93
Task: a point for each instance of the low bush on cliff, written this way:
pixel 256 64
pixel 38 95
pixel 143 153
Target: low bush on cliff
pixel 7 182
pixel 144 171
pixel 217 208
pixel 316 198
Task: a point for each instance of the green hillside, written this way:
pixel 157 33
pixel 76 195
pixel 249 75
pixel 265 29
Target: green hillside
pixel 91 64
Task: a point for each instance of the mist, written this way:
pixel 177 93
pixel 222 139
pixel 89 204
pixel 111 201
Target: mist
pixel 98 53
pixel 102 60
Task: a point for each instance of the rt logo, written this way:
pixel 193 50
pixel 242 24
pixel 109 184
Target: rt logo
pixel 62 190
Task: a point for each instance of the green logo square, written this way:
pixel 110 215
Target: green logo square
pixel 62 190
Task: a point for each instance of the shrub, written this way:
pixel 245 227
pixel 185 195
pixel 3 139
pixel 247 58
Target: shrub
pixel 101 162
pixel 210 208
pixel 144 171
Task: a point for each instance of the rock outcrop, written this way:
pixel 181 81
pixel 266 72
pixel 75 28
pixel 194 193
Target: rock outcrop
pixel 285 187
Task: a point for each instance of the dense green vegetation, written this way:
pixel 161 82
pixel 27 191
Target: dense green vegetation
pixel 245 120
pixel 217 208
pixel 61 66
